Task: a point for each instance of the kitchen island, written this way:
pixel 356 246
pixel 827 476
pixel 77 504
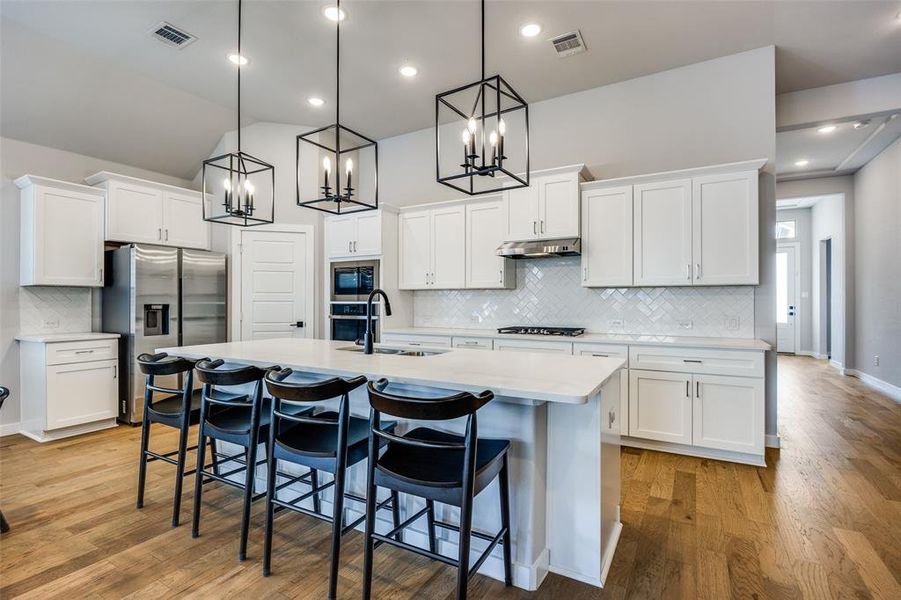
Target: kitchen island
pixel 560 413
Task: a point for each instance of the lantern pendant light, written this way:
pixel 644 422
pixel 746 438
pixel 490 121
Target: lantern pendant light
pixel 351 153
pixel 238 189
pixel 486 124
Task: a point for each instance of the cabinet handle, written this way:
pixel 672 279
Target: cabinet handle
pixel 84 352
pixel 542 226
pixel 349 247
pixel 697 270
pixel 115 371
pixel 611 418
pixel 692 360
pixel 167 234
pixel 688 271
pixel 687 390
pixel 697 389
pixel 414 344
pixel 159 233
pixel 534 227
pixel 584 273
pixel 470 343
pixel 602 355
pixel 355 246
pixel 101 275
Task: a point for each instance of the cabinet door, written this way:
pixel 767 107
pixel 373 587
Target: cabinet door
pixel 415 241
pixel 660 406
pixel 81 393
pixel 485 226
pixel 449 248
pixel 522 213
pixel 183 223
pixel 68 238
pixel 134 213
pixel 662 229
pixel 368 241
pixel 558 206
pixel 607 237
pixel 340 233
pixel 724 231
pixel 728 413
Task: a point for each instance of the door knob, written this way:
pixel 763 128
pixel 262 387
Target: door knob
pixel 297 324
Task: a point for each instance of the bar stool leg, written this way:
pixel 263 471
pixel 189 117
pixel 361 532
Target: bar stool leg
pixel 370 522
pixel 465 539
pixel 272 467
pixel 314 480
pixel 337 526
pixel 504 489
pixel 251 458
pixel 180 472
pixel 430 516
pixel 395 514
pixel 198 479
pixel 4 526
pixel 142 465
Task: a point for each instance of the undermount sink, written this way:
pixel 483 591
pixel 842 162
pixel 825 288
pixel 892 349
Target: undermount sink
pixel 397 351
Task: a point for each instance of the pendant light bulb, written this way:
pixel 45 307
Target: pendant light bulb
pixel 227 184
pixel 466 136
pixel 472 125
pixel 501 127
pixel 492 138
pixel 248 187
pixel 349 166
pixel 327 165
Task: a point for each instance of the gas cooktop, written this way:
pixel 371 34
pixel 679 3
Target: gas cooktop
pixel 565 331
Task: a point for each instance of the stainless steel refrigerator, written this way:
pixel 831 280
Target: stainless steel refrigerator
pixel 156 296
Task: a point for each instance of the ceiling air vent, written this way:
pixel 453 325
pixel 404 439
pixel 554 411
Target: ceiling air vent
pixel 171 35
pixel 568 44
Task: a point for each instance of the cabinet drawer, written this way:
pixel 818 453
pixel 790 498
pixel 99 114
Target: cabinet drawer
pixel 474 342
pixel 533 346
pixel 693 360
pixel 61 353
pixel 603 351
pixel 431 341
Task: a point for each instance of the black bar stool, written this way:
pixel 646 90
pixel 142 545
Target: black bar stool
pixel 241 419
pixel 174 410
pixel 4 526
pixel 439 467
pixel 325 441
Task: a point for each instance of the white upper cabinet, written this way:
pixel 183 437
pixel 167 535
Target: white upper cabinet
pixel 61 239
pixel 725 229
pixel 607 237
pixel 144 211
pixel 548 208
pixel 485 226
pixel 448 248
pixel 662 233
pixel 415 241
pixel 354 234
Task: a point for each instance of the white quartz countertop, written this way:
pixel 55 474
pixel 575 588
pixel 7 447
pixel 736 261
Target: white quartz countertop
pixel 48 338
pixel 595 338
pixel 527 375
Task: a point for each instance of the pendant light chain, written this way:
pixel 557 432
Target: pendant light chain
pixel 338 98
pixel 240 58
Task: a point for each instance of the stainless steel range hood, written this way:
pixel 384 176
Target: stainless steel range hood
pixel 541 248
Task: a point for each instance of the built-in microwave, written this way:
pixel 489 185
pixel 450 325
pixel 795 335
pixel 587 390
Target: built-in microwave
pixel 352 281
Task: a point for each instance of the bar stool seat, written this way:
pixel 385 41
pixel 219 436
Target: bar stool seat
pixel 407 468
pixel 311 440
pixel 235 421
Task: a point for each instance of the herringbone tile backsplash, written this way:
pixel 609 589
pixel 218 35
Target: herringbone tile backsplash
pixel 54 309
pixel 549 292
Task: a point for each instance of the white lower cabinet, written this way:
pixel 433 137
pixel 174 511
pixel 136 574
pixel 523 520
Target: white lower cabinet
pixel 533 346
pixel 428 341
pixel 728 413
pixel 612 351
pixel 68 387
pixel 660 406
pixel 475 343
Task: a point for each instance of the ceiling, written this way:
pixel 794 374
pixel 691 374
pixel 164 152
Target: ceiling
pixel 841 151
pixel 87 76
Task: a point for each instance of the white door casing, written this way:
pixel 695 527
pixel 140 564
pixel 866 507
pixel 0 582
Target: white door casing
pixel 787 292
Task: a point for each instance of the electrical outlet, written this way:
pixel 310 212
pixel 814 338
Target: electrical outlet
pixel 876 360
pixel 732 323
pixel 685 324
pixel 51 323
pixel 615 323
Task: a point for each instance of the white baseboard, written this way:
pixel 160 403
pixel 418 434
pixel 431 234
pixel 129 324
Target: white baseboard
pixel 837 365
pixel 756 460
pixel 892 391
pixel 773 441
pixel 808 353
pixel 10 428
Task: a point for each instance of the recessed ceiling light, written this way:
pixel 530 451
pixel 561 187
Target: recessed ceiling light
pixel 827 129
pixel 314 101
pixel 333 13
pixel 408 71
pixel 802 163
pixel 238 59
pixel 530 30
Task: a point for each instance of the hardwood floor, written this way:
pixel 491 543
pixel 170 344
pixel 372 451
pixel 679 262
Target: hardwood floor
pixel 823 521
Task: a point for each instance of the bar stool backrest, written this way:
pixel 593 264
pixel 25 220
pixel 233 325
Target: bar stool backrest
pixel 153 365
pixel 4 394
pixel 209 373
pixel 297 394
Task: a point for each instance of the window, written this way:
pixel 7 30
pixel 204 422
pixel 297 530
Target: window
pixel 785 230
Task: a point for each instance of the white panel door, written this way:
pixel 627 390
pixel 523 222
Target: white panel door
pixel 607 237
pixel 724 229
pixel 68 238
pixel 415 241
pixel 485 226
pixel 183 223
pixel 340 233
pixel 558 206
pixel 786 298
pixel 662 229
pixel 660 406
pixel 81 392
pixel 368 241
pixel 728 413
pixel 449 248
pixel 134 213
pixel 273 285
pixel 522 213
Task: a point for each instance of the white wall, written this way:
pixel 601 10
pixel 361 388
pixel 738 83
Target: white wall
pixel 16 159
pixel 877 266
pixel 801 217
pixel 839 101
pixel 827 221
